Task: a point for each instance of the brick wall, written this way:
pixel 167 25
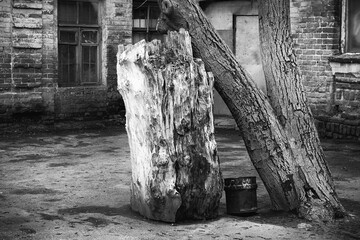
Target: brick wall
pixel 5 49
pixel 27 45
pixel 5 55
pixel 347 95
pixel 21 68
pixel 29 63
pixel 316 31
pixel 118 17
pixel 80 103
pixel 336 127
pixel 333 96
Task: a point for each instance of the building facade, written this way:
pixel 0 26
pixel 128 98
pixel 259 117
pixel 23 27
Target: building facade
pixel 326 35
pixel 58 57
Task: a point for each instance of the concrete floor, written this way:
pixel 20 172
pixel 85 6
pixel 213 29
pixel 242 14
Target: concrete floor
pixel 75 185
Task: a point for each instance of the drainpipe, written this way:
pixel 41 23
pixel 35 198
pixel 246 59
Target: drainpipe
pixel 12 47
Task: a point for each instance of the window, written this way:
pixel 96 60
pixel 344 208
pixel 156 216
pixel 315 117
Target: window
pixel 79 43
pixel 351 26
pixel 145 14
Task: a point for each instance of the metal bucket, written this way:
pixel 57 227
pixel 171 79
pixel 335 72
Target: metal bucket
pixel 241 195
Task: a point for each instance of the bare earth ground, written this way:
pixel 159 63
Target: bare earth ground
pixel 75 185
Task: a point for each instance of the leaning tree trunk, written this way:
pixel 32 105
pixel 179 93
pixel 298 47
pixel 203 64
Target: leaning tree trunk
pixel 286 95
pixel 269 145
pixel 169 121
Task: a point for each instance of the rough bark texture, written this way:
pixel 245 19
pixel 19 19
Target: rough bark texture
pixel 271 148
pixel 287 97
pixel 169 121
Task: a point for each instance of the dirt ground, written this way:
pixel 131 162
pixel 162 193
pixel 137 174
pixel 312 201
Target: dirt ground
pixel 75 185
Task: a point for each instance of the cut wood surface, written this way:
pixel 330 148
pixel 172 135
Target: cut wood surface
pixel 169 120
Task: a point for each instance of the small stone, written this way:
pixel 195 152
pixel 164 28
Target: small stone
pixel 304 226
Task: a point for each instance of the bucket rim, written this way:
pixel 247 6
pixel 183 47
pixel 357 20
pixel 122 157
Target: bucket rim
pixel 240 183
pixel 240 177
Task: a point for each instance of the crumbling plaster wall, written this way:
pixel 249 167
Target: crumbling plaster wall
pixel 28 69
pixel 29 63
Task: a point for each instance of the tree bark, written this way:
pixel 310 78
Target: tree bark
pixel 270 147
pixel 288 98
pixel 169 121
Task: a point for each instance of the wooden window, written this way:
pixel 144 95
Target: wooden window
pixel 79 43
pixel 145 14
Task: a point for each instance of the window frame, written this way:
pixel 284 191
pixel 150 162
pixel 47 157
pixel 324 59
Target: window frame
pixel 147 29
pixel 344 42
pixel 79 28
pixel 97 44
pixel 343 25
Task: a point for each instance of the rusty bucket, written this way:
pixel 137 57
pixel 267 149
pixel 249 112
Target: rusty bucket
pixel 241 195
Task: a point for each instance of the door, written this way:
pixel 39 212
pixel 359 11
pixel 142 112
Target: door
pixel 247 47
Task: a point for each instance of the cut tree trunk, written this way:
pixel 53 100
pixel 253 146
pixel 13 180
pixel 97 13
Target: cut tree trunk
pixel 169 121
pixel 271 148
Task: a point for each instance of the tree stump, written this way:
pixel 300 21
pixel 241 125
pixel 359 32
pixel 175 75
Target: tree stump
pixel 169 121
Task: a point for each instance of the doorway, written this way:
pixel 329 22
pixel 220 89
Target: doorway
pixel 247 47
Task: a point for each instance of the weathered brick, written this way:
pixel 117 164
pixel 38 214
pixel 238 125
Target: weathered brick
pixel 35 23
pixel 353 131
pixel 351 95
pixel 346 95
pixel 28 4
pixel 5 86
pixel 5 65
pixel 28 85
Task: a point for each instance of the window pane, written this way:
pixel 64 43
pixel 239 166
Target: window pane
pixel 89 37
pixel 354 26
pixel 140 17
pixel 152 23
pixel 139 23
pixel 145 15
pixel 138 36
pixel 140 13
pixel 67 12
pixel 88 13
pixel 67 64
pixel 155 35
pixel 89 64
pixel 67 36
pixel 154 12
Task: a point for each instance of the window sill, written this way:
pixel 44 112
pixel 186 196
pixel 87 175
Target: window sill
pixel 100 87
pixel 346 58
pixel 345 63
